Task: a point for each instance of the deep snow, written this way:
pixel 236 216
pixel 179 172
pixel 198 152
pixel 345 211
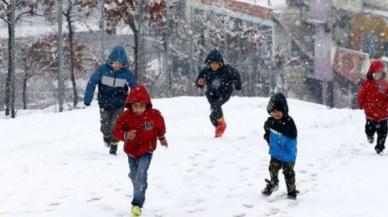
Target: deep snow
pixel 55 164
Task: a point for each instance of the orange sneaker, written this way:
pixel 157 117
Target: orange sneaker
pixel 220 129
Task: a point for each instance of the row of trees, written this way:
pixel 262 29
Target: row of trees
pixel 161 35
pixel 11 13
pixel 138 14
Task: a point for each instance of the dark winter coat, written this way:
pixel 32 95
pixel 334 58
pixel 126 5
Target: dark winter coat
pixel 373 95
pixel 221 82
pixel 112 85
pixel 149 126
pixel 281 134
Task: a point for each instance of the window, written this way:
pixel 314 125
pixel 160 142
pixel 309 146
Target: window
pixel 386 48
pixel 369 44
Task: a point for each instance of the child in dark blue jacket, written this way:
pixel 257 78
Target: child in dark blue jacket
pixel 281 134
pixel 221 80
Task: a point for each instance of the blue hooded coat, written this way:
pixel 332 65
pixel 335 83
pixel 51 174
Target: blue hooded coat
pixel 281 134
pixel 112 85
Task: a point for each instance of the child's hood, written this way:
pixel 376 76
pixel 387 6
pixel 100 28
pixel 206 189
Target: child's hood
pixel 376 66
pixel 214 56
pixel 279 102
pixel 138 94
pixel 118 54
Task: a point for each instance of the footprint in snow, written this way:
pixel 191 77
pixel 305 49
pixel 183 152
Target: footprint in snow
pixel 192 211
pixel 54 204
pixel 93 199
pixel 303 171
pixel 273 211
pixel 248 206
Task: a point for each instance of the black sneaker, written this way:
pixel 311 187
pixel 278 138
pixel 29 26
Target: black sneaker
pixel 270 188
pixel 292 195
pixel 371 139
pixel 379 149
pixel 113 149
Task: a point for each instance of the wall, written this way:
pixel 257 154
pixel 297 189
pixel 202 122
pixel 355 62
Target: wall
pixel 372 25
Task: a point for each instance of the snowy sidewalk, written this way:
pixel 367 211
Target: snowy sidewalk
pixel 55 165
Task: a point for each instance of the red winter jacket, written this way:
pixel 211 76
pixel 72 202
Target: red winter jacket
pixel 149 125
pixel 373 98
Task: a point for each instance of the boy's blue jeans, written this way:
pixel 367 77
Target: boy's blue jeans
pixel 138 174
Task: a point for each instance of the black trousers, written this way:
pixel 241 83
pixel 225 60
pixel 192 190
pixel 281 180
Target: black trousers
pixel 107 121
pixel 216 101
pixel 288 170
pixel 372 127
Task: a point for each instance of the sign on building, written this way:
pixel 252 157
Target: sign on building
pixel 350 64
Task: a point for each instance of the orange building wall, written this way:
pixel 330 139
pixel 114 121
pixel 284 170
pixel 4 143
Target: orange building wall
pixel 372 25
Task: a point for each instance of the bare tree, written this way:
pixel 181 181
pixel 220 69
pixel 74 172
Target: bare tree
pixel 11 11
pixel 138 15
pixel 239 44
pixel 41 59
pixel 74 11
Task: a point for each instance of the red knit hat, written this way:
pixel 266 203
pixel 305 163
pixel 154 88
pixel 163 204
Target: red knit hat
pixel 376 66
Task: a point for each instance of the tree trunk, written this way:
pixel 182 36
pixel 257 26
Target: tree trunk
pixel 10 82
pixel 61 80
pixel 72 67
pixel 137 25
pixel 166 66
pixel 25 80
pixel 135 49
pixel 103 33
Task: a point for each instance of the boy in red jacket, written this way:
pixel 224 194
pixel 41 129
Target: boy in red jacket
pixel 139 127
pixel 373 98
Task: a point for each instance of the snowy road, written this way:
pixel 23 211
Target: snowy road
pixel 56 165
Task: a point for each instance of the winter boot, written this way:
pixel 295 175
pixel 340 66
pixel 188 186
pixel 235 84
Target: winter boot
pixel 136 211
pixel 270 188
pixel 292 195
pixel 220 129
pixel 379 149
pixel 107 141
pixel 113 149
pixel 371 139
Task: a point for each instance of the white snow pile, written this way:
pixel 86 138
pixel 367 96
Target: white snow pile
pixel 266 3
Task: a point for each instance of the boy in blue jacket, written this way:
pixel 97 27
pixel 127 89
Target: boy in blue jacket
pixel 113 79
pixel 281 134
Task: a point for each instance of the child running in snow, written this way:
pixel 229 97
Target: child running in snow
pixel 373 98
pixel 139 127
pixel 281 134
pixel 220 79
pixel 113 79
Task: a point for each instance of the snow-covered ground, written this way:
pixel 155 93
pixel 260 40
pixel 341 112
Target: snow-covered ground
pixel 56 165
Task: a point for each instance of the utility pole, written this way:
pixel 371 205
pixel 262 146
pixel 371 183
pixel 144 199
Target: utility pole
pixel 102 26
pixel 12 58
pixel 319 16
pixel 167 50
pixel 61 80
